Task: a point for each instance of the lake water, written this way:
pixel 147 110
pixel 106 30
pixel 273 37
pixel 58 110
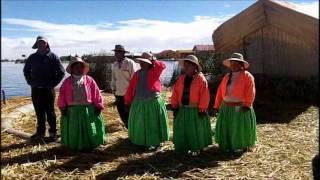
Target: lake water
pixel 166 75
pixel 14 83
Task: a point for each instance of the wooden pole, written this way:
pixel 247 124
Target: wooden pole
pixel 3 97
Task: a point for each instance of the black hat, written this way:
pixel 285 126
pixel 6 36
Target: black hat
pixel 40 38
pixel 119 47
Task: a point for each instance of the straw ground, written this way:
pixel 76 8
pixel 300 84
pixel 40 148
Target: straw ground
pixel 283 151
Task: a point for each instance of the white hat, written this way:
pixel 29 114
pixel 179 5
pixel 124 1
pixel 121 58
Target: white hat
pixel 77 60
pixel 194 60
pixel 146 57
pixel 236 57
pixel 144 60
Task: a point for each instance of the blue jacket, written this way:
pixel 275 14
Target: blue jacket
pixel 43 70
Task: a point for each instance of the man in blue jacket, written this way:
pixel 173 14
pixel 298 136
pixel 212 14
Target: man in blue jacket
pixel 43 71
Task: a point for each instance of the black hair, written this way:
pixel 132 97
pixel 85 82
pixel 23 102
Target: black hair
pixel 229 80
pixel 230 73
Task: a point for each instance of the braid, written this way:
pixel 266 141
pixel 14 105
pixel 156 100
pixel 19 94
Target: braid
pixel 229 80
pixel 230 74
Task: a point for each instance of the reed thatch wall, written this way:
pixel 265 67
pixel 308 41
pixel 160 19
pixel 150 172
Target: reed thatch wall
pixel 275 38
pixel 281 45
pixel 100 70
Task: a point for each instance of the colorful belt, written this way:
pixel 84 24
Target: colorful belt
pixel 233 103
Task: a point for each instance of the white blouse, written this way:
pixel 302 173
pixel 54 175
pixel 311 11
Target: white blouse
pixel 229 97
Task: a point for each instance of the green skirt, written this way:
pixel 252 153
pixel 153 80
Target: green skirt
pixel 81 128
pixel 235 129
pixel 148 122
pixel 190 132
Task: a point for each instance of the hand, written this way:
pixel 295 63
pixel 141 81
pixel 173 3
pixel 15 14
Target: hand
pixel 245 108
pixel 127 108
pixel 169 107
pixel 97 111
pixel 202 114
pixel 214 113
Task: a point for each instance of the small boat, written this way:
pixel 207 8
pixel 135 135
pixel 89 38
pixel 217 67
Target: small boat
pixel 19 61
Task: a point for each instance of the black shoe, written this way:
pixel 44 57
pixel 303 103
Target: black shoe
pixel 53 136
pixel 37 136
pixel 194 153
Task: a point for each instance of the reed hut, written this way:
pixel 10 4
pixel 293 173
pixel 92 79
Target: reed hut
pixel 203 50
pixel 180 54
pixel 100 68
pixel 166 54
pixel 274 37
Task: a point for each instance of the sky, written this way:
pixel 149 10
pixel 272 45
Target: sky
pixel 83 27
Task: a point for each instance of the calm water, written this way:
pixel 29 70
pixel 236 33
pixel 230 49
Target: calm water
pixel 166 76
pixel 13 81
pixel 14 84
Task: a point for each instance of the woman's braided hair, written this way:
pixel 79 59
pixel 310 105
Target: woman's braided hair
pixel 230 73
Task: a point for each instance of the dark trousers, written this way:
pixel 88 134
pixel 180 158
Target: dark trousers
pixel 121 109
pixel 43 103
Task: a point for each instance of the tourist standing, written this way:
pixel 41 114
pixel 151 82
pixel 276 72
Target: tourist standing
pixel 43 71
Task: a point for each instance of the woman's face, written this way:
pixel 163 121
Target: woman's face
pixel 77 69
pixel 189 68
pixel 235 66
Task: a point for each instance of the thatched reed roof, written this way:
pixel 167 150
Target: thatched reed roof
pixel 203 48
pixel 279 14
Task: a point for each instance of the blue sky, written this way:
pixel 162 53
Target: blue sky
pixel 97 11
pixel 95 26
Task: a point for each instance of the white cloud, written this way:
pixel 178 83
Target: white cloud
pixel 227 5
pixel 136 35
pixel 310 8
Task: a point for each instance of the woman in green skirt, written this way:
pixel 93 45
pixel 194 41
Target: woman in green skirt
pixel 189 102
pixel 148 120
pixel 236 122
pixel 80 102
